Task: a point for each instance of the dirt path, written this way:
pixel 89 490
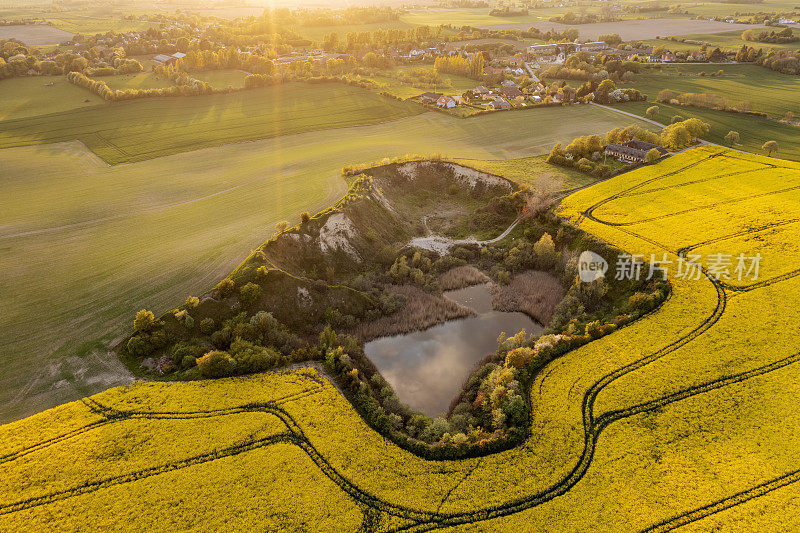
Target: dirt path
pixel 441 244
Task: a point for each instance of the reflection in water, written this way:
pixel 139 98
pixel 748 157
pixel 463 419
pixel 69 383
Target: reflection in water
pixel 427 368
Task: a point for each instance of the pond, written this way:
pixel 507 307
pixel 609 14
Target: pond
pixel 427 368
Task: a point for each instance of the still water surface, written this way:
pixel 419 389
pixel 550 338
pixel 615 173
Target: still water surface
pixel 427 368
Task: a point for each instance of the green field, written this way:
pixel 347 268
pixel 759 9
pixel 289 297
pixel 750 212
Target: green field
pixel 769 91
pixel 721 9
pixel 316 33
pixel 458 84
pixel 683 420
pixel 469 17
pixel 85 21
pixel 533 171
pixel 149 233
pixel 30 96
pixel 219 79
pixel 753 131
pixel 140 129
pixel 141 80
pixel 731 40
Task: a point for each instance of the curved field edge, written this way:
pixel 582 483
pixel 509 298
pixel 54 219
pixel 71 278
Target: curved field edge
pixel 573 423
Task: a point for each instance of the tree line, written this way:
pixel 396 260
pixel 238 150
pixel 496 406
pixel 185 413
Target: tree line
pixel 470 68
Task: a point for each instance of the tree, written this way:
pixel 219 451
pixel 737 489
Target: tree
pixel 732 138
pixel 304 217
pixel 225 287
pixel 250 293
pixel 652 111
pixel 652 156
pixel 556 154
pixel 606 86
pixel 216 364
pixel 144 321
pixel 281 226
pixel 676 119
pixel 769 147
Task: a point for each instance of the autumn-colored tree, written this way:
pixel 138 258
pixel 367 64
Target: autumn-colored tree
pixel 769 147
pixel 732 138
pixel 144 321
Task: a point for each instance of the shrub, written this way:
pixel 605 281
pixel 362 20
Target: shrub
pixel 545 250
pixel 185 354
pixel 216 364
pixel 250 293
pixel 305 217
pixel 144 321
pixel 519 357
pixel 503 277
pixel 435 430
pixel 138 347
pixel 207 326
pixel 225 287
pixel 252 358
pixel 639 302
pixel 593 329
pixel 222 338
pixel 192 302
pixel 515 410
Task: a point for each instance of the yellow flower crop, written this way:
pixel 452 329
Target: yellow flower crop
pixel 686 418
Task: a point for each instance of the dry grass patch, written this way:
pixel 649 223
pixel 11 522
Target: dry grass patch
pixel 534 293
pixel 421 311
pixel 461 277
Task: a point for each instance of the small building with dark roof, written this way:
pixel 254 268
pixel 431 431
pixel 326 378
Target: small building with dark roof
pixel 429 97
pixel 633 151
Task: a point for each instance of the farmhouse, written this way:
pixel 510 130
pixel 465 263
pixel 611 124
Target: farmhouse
pixel 633 151
pixel 163 59
pixel 510 92
pixel 499 103
pixel 429 98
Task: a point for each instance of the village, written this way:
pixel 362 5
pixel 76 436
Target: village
pixel 507 75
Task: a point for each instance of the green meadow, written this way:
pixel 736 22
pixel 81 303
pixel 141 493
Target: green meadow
pixel 768 91
pixel 146 128
pixel 731 40
pixel 394 86
pixel 31 96
pixel 753 131
pixel 219 79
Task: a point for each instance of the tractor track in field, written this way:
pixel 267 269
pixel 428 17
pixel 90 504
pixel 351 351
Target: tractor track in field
pixel 423 520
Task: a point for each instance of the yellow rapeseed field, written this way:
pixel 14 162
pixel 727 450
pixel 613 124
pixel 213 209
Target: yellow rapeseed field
pixel 687 418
